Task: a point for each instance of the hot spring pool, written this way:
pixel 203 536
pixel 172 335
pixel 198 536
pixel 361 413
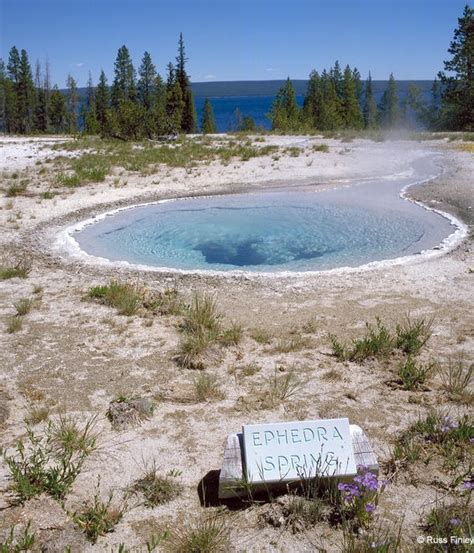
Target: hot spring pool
pixel 271 231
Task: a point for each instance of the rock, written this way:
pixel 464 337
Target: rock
pixel 127 412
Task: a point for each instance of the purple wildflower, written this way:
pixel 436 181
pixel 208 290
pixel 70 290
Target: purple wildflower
pixel 455 522
pixel 370 507
pixel 447 424
pixel 468 485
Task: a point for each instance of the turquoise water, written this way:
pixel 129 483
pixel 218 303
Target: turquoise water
pixel 270 231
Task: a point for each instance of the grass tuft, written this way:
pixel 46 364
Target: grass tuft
pixel 23 306
pixel 206 387
pixel 21 269
pixel 457 378
pixel 157 489
pixel 14 324
pixel 205 535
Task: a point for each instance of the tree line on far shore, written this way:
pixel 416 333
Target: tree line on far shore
pixel 135 107
pixel 132 107
pixel 337 99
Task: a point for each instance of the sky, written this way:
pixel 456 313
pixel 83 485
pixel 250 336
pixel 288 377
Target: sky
pixel 234 39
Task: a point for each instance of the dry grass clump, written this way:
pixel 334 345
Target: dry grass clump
pixel 130 298
pixel 20 269
pixel 292 343
pixel 14 324
pixel 23 306
pixel 70 437
pixel 155 488
pixel 457 377
pixel 282 385
pixel 201 328
pixel 208 534
pixel 36 415
pixel 207 387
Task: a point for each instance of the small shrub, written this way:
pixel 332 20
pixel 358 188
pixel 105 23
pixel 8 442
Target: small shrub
pixel 375 539
pixel 40 467
pixel 23 306
pixel 37 290
pixel 206 387
pixel 98 517
pixel 48 195
pixel 23 541
pixel 457 377
pixel 377 342
pixel 21 269
pixel 157 489
pixel 413 374
pixel 247 370
pixel 320 148
pixel 14 324
pixel 412 334
pixel 204 535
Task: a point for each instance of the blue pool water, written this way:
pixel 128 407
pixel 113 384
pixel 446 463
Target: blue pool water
pixel 296 230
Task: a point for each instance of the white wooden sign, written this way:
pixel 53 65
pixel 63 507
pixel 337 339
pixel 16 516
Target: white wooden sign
pixel 287 451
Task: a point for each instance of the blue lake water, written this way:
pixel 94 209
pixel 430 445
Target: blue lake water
pixel 269 231
pixel 224 108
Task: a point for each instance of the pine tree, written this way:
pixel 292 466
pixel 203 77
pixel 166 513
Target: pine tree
pixel 13 65
pixel 71 104
pixel 331 109
pixel 313 100
pixel 102 103
pixel 25 94
pixel 3 113
pixel 352 115
pixel 390 106
pixel 58 113
pixel 146 82
pixel 174 102
pixel 370 107
pixel 208 125
pixel 40 117
pixel 188 120
pixel 458 85
pixel 358 84
pixel 161 126
pixel 89 112
pixel 336 75
pixel 123 87
pixel 285 113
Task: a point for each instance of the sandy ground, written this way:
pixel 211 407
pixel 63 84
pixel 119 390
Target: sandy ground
pixel 74 356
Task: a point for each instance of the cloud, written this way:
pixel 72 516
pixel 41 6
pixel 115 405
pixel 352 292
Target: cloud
pixel 80 64
pixel 270 69
pixel 210 77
